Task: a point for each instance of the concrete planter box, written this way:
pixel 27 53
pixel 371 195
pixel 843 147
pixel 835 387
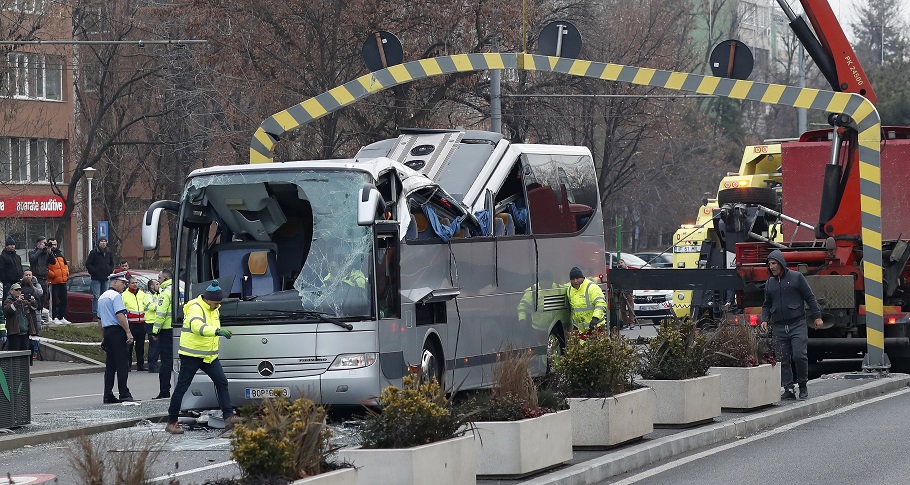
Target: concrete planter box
pixel 523 447
pixel 748 387
pixel 685 401
pixel 613 420
pixel 344 476
pixel 449 462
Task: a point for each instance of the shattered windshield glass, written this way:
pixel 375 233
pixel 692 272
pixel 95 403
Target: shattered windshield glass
pixel 304 222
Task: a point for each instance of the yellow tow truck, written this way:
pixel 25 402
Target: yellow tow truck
pixel 758 181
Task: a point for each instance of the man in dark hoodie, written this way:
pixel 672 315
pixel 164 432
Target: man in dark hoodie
pixel 786 294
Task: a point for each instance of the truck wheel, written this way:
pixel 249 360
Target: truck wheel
pixel 762 196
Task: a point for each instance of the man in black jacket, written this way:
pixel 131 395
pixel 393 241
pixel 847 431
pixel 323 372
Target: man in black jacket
pixel 100 265
pixel 786 295
pixel 38 260
pixel 10 266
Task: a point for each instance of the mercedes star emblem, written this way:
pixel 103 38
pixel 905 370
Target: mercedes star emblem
pixel 266 368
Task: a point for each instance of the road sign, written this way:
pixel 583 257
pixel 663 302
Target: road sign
pixel 381 50
pixel 560 39
pixel 731 59
pixel 103 230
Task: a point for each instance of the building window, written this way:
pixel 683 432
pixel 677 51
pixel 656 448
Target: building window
pixel 31 160
pixel 33 76
pixel 28 6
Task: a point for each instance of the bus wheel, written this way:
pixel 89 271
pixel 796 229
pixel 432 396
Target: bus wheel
pixel 556 344
pixel 431 363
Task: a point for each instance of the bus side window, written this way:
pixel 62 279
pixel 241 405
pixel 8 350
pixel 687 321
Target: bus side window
pixel 387 278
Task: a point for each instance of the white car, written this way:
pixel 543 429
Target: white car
pixel 654 305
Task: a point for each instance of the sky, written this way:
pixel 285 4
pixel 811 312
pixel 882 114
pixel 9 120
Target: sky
pixel 845 10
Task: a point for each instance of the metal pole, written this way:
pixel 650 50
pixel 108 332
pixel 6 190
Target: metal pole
pixel 496 95
pixel 89 213
pixel 801 113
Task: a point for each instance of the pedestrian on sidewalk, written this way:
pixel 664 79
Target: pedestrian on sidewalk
pixel 151 307
pixel 786 295
pixel 39 259
pixel 31 290
pixel 116 339
pixel 10 266
pixel 135 301
pixel 19 312
pixel 100 265
pixel 57 277
pixel 163 334
pixel 199 351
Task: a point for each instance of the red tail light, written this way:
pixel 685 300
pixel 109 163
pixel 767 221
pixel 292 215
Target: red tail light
pixel 753 320
pixel 892 320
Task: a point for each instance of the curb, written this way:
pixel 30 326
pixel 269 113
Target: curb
pixel 13 442
pixel 83 369
pixel 644 454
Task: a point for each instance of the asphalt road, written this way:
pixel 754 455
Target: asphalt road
pixel 76 391
pixel 861 443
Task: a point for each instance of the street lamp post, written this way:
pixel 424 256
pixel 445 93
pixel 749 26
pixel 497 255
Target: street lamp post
pixel 89 175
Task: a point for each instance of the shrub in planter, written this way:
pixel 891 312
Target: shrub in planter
pixel 600 366
pixel 735 344
pixel 416 414
pixel 674 366
pixel 595 375
pixel 283 438
pixel 676 352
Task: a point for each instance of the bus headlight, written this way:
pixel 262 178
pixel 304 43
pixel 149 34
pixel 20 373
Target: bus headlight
pixel 353 361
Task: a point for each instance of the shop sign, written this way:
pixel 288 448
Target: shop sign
pixel 31 206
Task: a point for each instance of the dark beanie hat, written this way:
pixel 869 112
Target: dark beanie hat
pixel 576 273
pixel 213 292
pixel 10 240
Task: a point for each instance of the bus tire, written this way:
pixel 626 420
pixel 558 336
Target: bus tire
pixel 432 363
pixel 556 345
pixel 762 196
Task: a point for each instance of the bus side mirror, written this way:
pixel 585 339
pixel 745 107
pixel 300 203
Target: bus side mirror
pixel 368 203
pixel 151 220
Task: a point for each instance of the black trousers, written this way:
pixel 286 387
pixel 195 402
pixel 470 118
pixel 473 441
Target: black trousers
pixel 138 331
pixel 118 362
pixel 166 351
pixel 153 347
pixel 58 301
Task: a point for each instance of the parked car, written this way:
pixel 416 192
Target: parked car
pixel 658 260
pixel 653 305
pixel 79 293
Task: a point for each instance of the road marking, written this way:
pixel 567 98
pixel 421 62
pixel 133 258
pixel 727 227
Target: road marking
pixel 25 479
pixel 763 435
pixel 188 472
pixel 72 397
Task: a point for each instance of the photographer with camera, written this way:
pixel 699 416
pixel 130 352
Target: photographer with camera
pixel 19 311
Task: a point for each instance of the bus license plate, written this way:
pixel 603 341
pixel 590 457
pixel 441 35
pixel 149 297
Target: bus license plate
pixel 268 392
pixel 686 249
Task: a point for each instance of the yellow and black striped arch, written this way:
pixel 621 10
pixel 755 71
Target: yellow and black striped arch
pixel 865 117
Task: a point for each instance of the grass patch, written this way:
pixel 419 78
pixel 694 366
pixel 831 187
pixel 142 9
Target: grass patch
pixel 76 333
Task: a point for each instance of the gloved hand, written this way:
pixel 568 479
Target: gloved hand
pixel 154 336
pixel 224 333
pixel 594 322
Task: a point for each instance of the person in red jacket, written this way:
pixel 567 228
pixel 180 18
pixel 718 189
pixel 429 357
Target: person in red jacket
pixel 57 276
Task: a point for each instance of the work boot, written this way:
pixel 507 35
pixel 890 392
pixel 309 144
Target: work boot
pixel 111 400
pixel 163 395
pixel 788 394
pixel 173 428
pixel 803 392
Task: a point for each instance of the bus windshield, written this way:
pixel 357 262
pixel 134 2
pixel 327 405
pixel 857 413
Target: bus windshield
pixel 283 242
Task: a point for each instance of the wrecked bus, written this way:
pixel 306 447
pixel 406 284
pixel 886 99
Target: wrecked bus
pixel 343 276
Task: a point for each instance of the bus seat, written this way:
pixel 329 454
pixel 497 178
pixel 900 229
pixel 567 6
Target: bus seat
pixel 230 260
pixel 499 227
pixel 260 276
pixel 419 228
pixel 508 224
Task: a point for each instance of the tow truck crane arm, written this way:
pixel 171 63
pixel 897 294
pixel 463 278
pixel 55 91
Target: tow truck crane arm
pixel 829 47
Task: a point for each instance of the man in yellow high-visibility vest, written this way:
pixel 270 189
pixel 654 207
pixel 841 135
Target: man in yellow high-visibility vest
pixel 587 302
pixel 199 351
